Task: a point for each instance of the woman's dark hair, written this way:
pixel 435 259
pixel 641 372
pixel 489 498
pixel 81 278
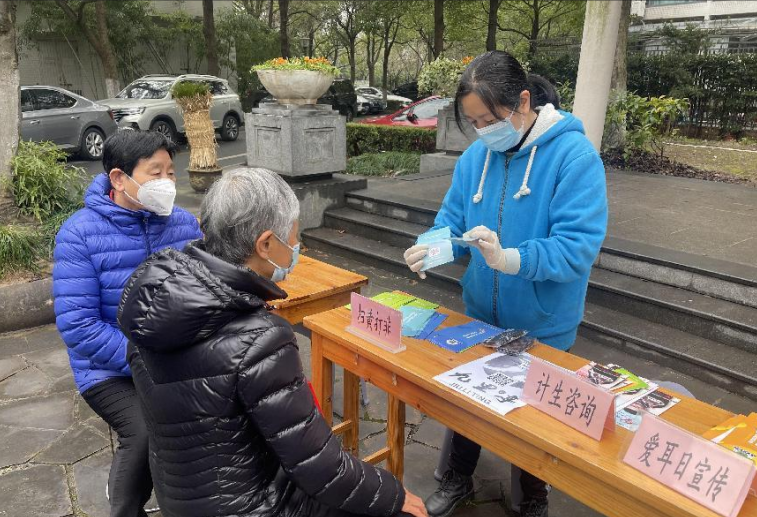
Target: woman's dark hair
pixel 498 79
pixel 123 149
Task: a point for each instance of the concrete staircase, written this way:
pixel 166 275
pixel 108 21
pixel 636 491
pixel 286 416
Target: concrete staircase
pixel 687 312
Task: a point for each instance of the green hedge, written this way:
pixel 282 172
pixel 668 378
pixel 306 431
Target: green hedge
pixel 367 138
pixel 390 163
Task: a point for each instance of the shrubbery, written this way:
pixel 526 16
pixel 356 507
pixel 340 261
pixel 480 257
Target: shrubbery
pixel 390 163
pixel 368 138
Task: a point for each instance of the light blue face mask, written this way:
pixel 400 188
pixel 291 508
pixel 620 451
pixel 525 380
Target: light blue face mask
pixel 280 273
pixel 501 135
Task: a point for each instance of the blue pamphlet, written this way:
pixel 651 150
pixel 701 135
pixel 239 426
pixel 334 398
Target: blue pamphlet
pixel 462 337
pixel 432 324
pixel 414 319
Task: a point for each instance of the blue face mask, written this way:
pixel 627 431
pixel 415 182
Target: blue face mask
pixel 501 136
pixel 280 273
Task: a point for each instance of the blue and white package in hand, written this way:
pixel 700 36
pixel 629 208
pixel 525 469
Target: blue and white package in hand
pixel 462 337
pixel 414 320
pixel 439 248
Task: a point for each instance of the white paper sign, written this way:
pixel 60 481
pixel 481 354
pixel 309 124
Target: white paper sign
pixel 495 381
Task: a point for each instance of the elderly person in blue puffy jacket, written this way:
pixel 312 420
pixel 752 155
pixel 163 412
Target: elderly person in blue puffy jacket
pixel 128 215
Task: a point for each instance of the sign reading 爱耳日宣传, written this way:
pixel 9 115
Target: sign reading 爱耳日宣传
pixel 569 398
pixel 376 323
pixel 697 468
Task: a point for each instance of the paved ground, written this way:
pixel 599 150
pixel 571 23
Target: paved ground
pixel 711 219
pixel 55 453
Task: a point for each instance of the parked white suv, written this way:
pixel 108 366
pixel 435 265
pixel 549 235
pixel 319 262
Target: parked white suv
pixel 147 103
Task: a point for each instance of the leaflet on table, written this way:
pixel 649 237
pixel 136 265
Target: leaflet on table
pixel 601 375
pixel 432 324
pixel 462 337
pixel 397 299
pixel 439 248
pixel 494 381
pixel 737 434
pixel 656 403
pixel 414 319
pixel 635 387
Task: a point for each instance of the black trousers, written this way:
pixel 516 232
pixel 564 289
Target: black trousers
pixel 129 484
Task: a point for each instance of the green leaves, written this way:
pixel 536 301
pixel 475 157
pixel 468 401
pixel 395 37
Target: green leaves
pixel 41 183
pixel 368 138
pixel 390 163
pixel 187 89
pixel 440 77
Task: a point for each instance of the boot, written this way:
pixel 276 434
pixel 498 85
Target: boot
pixel 534 508
pixel 453 490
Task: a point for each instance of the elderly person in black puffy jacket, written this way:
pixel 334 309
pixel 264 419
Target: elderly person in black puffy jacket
pixel 234 429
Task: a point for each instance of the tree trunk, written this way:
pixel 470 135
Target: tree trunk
pixel 491 33
pixel 9 91
pixel 351 51
pixel 370 43
pixel 270 14
pixel 99 41
pixel 438 28
pixel 532 44
pixel 615 134
pixel 112 84
pixel 284 27
pixel 209 31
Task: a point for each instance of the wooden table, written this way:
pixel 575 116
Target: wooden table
pixel 314 286
pixel 587 470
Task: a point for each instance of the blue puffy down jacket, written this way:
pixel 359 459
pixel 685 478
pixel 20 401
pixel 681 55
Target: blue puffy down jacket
pixel 96 251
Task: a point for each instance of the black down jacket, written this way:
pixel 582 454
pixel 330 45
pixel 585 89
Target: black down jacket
pixel 233 426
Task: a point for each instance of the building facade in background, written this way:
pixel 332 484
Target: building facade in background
pixel 71 63
pixel 732 24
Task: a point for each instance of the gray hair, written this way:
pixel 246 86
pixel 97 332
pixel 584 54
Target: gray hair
pixel 240 206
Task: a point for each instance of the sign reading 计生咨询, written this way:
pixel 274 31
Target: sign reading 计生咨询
pixel 376 323
pixel 569 398
pixel 697 468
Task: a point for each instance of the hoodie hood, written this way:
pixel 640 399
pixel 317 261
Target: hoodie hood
pixel 550 124
pixel 176 299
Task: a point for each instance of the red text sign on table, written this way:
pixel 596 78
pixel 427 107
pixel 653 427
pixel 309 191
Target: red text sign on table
pixel 569 398
pixel 697 468
pixel 377 323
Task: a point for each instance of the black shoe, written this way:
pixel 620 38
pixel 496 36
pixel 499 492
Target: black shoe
pixel 453 490
pixel 534 508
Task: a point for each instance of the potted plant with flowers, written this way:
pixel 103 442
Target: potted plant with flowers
pixel 441 77
pixel 194 100
pixel 297 80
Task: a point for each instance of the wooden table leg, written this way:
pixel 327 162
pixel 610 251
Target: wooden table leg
pixel 351 412
pixel 395 436
pixel 322 377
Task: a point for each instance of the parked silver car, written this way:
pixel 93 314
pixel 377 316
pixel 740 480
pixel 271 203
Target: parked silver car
pixel 66 119
pixel 147 104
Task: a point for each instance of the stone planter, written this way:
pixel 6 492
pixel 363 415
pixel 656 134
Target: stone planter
pixel 449 137
pixel 295 86
pixel 201 180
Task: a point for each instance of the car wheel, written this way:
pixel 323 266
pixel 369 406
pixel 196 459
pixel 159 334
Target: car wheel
pixel 350 114
pixel 230 128
pixel 92 144
pixel 165 128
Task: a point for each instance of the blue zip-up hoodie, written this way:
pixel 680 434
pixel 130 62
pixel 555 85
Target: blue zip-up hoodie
pixel 548 204
pixel 96 251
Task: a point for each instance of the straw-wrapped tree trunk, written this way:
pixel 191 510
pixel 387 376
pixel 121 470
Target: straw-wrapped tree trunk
pixel 194 100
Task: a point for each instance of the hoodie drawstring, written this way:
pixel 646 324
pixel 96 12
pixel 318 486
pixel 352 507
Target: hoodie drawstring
pixel 524 190
pixel 480 194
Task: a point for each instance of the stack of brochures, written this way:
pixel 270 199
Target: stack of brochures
pixel 633 394
pixel 737 434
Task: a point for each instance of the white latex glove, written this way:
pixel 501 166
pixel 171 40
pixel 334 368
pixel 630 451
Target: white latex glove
pixel 414 258
pixel 487 242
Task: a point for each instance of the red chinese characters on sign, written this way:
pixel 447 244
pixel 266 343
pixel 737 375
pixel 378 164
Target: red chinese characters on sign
pixel 569 398
pixel 689 464
pixel 376 323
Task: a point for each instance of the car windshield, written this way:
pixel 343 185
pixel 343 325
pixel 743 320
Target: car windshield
pixel 146 90
pixel 368 91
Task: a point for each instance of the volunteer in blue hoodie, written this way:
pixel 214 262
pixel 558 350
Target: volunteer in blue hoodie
pixel 128 215
pixel 531 191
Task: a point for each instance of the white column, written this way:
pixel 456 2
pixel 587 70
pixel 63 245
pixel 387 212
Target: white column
pixel 595 66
